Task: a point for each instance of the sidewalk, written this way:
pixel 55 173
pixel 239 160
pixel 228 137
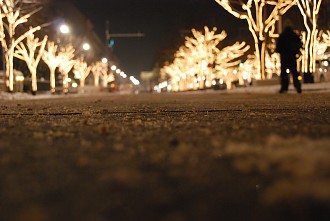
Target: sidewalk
pixel 270 89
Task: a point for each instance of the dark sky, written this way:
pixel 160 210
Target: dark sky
pixel 160 20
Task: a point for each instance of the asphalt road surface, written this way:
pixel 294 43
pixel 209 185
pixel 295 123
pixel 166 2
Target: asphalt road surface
pixel 171 157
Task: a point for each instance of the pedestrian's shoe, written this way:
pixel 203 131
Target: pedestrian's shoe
pixel 282 91
pixel 299 91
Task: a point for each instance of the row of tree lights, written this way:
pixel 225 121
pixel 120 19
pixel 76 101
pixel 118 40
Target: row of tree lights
pixel 30 49
pixel 263 27
pixel 182 73
pixel 121 73
pixel 199 63
pixel 195 64
pixel 97 69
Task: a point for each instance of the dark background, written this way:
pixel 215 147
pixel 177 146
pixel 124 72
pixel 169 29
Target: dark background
pixel 164 23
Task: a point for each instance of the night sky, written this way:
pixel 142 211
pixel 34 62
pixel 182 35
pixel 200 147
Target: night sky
pixel 160 20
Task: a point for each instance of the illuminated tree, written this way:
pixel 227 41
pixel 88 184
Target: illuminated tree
pixel 31 53
pixel 228 58
pixel 2 32
pixel 261 24
pixel 247 70
pixel 203 47
pixel 99 70
pixel 13 14
pixel 322 44
pixel 200 61
pixel 66 54
pixel 52 58
pixel 81 71
pixel 326 38
pixel 309 10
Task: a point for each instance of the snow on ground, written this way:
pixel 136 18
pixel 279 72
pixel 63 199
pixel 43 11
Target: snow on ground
pixel 299 175
pixel 317 87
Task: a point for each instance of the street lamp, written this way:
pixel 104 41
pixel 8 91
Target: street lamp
pixel 64 29
pixel 104 60
pixel 86 46
pixel 113 67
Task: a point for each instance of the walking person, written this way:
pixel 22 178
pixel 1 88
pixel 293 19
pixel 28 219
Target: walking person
pixel 289 45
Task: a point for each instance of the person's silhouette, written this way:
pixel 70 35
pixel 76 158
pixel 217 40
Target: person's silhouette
pixel 289 45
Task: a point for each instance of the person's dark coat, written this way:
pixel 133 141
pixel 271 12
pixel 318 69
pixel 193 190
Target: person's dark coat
pixel 289 46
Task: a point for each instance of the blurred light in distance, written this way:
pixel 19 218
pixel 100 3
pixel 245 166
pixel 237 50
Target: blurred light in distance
pixel 64 29
pixel 104 60
pixel 86 46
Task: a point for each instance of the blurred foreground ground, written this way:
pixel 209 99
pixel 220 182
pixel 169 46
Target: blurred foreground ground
pixel 176 157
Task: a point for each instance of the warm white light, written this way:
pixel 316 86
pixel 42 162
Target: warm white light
pixel 86 46
pixel 204 65
pixel 31 54
pixel 104 60
pixel 74 85
pixel 64 29
pixel 134 80
pixel 113 67
pixel 161 85
pixel 118 71
pixel 200 60
pixel 19 78
pixel 11 18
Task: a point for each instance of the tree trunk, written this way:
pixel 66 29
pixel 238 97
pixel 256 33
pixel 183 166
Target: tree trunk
pixel 65 83
pixel 52 80
pixel 105 81
pixel 82 84
pixel 261 58
pixel 9 56
pixel 34 82
pixel 309 55
pixel 96 80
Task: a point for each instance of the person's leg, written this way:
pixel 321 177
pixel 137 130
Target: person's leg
pixel 295 75
pixel 284 80
pixel 296 81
